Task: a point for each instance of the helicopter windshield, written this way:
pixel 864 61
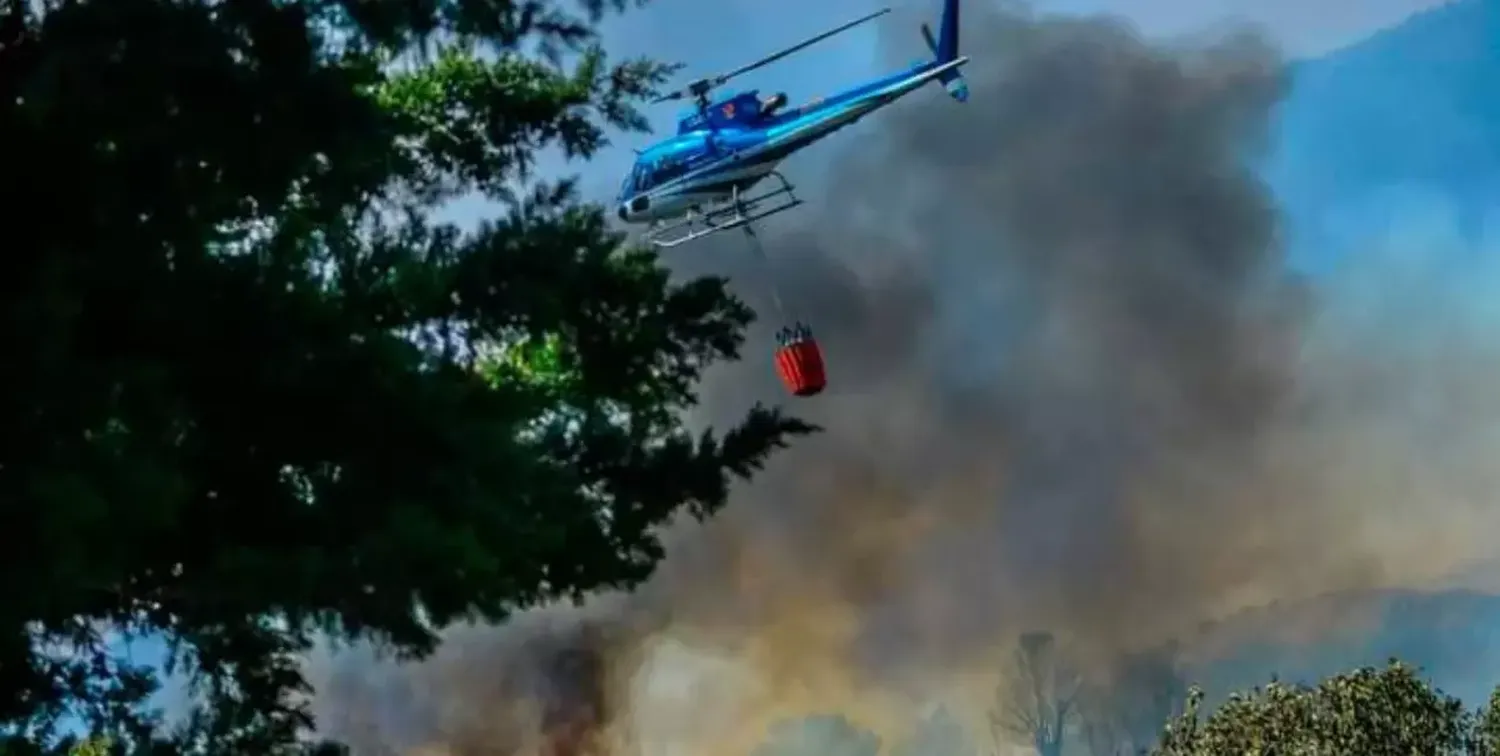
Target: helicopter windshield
pixel 665 162
pixel 631 185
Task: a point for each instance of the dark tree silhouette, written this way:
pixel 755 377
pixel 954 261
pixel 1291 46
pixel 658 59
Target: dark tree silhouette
pixel 254 391
pixel 1038 700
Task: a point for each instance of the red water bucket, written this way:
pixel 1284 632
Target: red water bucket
pixel 799 362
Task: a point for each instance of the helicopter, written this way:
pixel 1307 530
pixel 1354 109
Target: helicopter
pixel 696 183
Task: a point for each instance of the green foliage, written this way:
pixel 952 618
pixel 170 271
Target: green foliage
pixel 475 124
pixel 1378 712
pixel 92 747
pixel 260 393
pixel 1486 737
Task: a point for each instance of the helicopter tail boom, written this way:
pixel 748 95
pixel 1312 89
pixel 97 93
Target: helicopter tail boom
pixel 944 49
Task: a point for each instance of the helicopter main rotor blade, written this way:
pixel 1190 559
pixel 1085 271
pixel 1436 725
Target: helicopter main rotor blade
pixel 701 87
pixel 721 78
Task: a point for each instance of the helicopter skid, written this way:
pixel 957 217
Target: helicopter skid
pixel 730 215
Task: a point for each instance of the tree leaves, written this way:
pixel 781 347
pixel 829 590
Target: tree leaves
pixel 265 395
pixel 470 124
pixel 1380 712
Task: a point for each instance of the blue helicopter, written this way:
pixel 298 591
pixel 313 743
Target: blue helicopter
pixel 695 183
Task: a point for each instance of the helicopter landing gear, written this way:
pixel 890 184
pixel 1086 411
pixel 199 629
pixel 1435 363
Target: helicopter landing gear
pixel 736 212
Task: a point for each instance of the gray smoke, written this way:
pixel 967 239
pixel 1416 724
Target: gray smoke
pixel 1049 298
pixel 1073 386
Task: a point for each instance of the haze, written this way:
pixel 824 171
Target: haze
pixel 1077 387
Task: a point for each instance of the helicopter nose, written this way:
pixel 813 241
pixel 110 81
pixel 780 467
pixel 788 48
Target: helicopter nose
pixel 624 215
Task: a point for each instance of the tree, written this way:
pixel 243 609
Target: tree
pixel 257 392
pixel 1485 740
pixel 1038 700
pixel 1379 712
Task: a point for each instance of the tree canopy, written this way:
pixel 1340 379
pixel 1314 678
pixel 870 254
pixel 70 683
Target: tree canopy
pixel 1378 712
pixel 257 391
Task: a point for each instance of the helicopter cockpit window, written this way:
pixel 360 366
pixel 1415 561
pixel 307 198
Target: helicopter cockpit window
pixel 668 169
pixel 637 181
pixel 688 154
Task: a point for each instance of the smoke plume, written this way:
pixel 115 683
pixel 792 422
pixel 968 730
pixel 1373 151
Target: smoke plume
pixel 1073 387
